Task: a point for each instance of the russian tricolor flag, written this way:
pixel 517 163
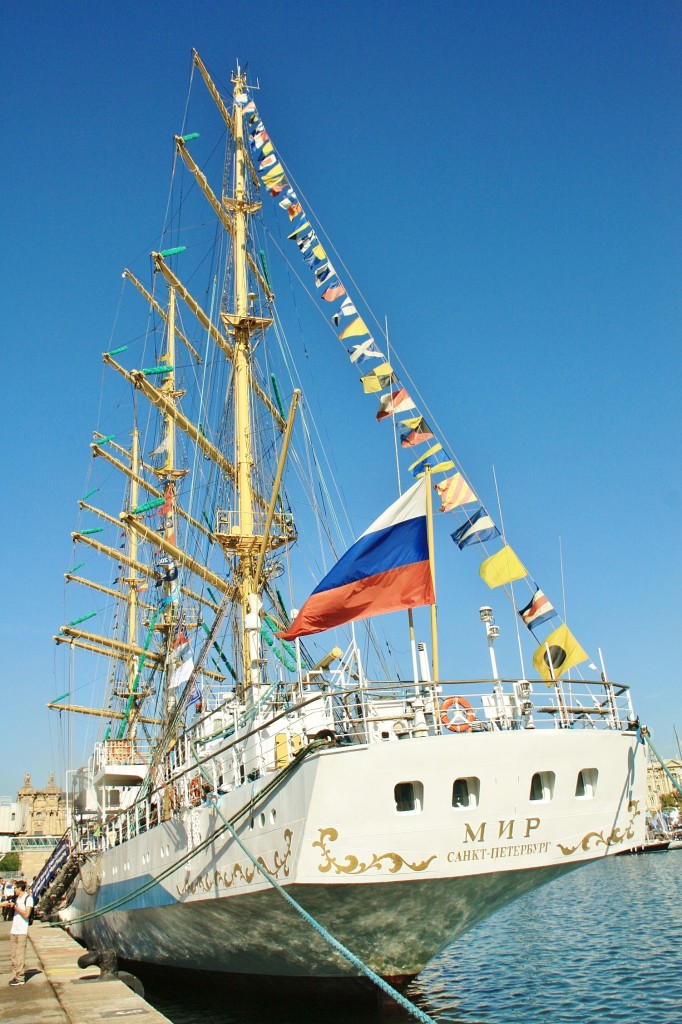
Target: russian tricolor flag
pixel 385 570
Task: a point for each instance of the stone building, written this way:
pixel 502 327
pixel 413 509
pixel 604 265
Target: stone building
pixel 46 808
pixel 33 825
pixel 659 784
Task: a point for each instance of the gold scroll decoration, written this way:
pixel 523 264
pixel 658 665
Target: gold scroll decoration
pixel 615 838
pixel 354 866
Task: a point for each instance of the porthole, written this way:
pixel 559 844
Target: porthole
pixel 262 821
pixel 409 797
pixel 465 792
pixel 586 784
pixel 542 786
pixel 273 815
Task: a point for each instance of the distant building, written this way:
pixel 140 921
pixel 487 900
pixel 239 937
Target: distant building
pixel 32 825
pixel 659 784
pixel 13 817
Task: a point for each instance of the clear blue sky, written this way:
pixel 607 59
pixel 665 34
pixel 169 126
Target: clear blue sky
pixel 503 181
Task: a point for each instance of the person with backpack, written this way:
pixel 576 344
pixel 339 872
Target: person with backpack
pixel 18 933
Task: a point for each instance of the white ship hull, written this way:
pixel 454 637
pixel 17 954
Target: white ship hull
pixel 393 887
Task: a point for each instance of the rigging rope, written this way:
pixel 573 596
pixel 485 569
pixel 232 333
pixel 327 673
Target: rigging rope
pixel 246 809
pixel 644 735
pixel 354 960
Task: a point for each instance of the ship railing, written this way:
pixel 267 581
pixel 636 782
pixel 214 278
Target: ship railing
pixel 380 712
pixel 109 753
pixel 227 523
pixel 494 704
pixel 390 711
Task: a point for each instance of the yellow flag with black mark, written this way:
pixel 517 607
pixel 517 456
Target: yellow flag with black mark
pixel 502 567
pixel 564 650
pixel 378 379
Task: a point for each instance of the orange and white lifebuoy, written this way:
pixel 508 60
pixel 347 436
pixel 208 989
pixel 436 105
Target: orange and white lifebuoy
pixel 121 751
pixel 460 719
pixel 195 792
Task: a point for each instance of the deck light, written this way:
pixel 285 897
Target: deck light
pixel 492 632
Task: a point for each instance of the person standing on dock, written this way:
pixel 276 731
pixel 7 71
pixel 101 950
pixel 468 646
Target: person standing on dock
pixel 18 933
pixel 8 899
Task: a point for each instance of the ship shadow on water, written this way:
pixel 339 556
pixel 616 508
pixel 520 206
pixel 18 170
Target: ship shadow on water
pixel 202 997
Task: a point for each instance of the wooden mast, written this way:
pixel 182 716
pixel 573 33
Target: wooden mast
pixel 432 565
pixel 132 580
pixel 248 537
pixel 254 527
pixel 249 598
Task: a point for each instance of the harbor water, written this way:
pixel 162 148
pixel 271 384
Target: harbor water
pixel 601 944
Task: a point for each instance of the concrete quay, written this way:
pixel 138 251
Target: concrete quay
pixel 57 991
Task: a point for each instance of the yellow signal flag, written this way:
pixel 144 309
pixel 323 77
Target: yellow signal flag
pixel 502 567
pixel 378 379
pixel 454 492
pixel 273 175
pixel 355 329
pixel 564 651
pixel 438 447
pixel 440 467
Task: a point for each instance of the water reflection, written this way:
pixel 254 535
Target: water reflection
pixel 599 945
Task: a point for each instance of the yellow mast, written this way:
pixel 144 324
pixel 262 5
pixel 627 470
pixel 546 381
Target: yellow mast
pixel 169 475
pixel 132 579
pixel 247 538
pixel 242 336
pixel 169 386
pixel 248 596
pixel 432 564
pixel 244 531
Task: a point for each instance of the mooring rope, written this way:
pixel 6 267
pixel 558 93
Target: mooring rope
pixel 644 733
pixel 327 936
pixel 228 826
pixel 151 882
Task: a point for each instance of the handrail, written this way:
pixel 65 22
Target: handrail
pixel 359 718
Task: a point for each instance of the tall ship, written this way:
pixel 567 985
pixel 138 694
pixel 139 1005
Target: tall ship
pixel 284 780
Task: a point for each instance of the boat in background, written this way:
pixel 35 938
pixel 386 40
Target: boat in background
pixel 252 759
pixel 655 842
pixel 675 842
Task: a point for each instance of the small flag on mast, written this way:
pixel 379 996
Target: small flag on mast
pixel 501 568
pixel 414 431
pixel 564 653
pixel 478 528
pixel 394 403
pixel 365 350
pixel 537 611
pixel 454 492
